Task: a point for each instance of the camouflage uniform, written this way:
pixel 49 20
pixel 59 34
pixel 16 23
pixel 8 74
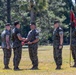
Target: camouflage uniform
pixel 32 35
pixel 7 52
pixel 73 45
pixel 17 47
pixel 56 42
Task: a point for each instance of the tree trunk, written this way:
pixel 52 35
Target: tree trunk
pixel 8 11
pixel 32 11
pixel 33 15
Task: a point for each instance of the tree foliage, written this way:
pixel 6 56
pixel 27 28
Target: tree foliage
pixel 43 12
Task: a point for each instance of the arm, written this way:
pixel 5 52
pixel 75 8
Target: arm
pixel 20 37
pixel 61 39
pixel 35 41
pixel 7 41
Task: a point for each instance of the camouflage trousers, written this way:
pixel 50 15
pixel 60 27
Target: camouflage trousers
pixel 57 55
pixel 17 56
pixel 7 55
pixel 73 48
pixel 33 54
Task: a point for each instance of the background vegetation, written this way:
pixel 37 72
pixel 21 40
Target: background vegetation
pixel 43 12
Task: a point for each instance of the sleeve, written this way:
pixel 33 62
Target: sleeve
pixel 74 31
pixel 37 35
pixel 7 36
pixel 60 31
pixel 18 32
pixel 2 35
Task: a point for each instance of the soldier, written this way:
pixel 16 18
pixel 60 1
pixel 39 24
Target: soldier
pixel 6 45
pixel 17 47
pixel 33 38
pixel 57 44
pixel 73 46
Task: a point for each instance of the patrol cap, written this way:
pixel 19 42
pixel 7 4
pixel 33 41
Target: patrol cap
pixel 32 23
pixel 7 24
pixel 56 21
pixel 16 22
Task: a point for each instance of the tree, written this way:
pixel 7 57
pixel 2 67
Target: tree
pixel 43 12
pixel 8 11
pixel 36 6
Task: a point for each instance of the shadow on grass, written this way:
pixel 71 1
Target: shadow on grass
pixel 33 69
pixel 20 70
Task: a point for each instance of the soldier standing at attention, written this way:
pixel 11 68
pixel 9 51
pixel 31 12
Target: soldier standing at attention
pixel 73 46
pixel 17 47
pixel 6 45
pixel 33 38
pixel 57 44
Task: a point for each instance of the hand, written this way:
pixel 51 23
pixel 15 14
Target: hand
pixel 8 47
pixel 29 42
pixel 60 47
pixel 22 43
pixel 24 39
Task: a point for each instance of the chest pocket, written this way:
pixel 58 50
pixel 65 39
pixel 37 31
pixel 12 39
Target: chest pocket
pixel 56 35
pixel 31 36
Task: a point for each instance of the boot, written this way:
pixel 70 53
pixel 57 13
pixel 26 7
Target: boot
pixel 6 67
pixel 74 65
pixel 34 68
pixel 16 68
pixel 58 67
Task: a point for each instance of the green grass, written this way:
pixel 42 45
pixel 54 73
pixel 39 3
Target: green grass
pixel 46 63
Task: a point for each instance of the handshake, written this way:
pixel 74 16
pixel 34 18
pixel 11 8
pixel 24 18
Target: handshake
pixel 25 41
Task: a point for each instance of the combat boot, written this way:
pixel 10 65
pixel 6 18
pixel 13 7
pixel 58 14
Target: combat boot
pixel 16 68
pixel 6 67
pixel 58 67
pixel 74 65
pixel 34 68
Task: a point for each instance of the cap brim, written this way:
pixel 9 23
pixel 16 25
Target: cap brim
pixel 8 25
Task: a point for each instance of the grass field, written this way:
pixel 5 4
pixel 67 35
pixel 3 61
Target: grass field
pixel 46 63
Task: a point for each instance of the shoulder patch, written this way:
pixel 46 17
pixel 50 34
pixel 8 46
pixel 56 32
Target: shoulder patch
pixel 37 31
pixel 4 32
pixel 60 28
